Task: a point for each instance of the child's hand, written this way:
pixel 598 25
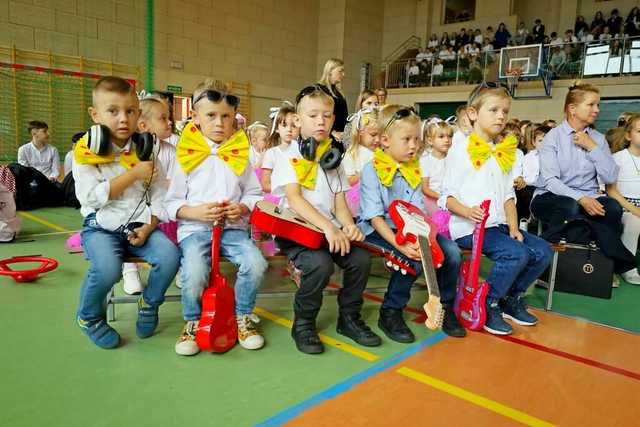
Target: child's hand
pixel 410 250
pixel 519 183
pixel 516 234
pixel 209 212
pixel 353 233
pixel 143 171
pixel 475 214
pixel 139 235
pixel 233 211
pixel 338 241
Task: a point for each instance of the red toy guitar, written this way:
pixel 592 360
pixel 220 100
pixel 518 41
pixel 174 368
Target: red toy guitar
pixel 413 225
pixel 472 295
pixel 286 224
pixel 217 331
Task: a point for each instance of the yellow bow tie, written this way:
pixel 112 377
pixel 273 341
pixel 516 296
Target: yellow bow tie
pixel 192 149
pixel 505 152
pixel 307 170
pixel 83 156
pixel 386 169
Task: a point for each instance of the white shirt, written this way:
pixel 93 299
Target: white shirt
pixel 517 169
pixel 470 187
pixel 273 154
pixel 422 56
pixel 68 162
pixel 353 166
pixel 478 39
pixel 433 168
pixel 255 157
pixel 45 159
pixel 438 69
pixel 166 155
pixel 212 181
pixel 433 43
pixel 414 70
pixel 629 176
pixel 458 137
pixel 322 197
pixel 173 139
pixel 93 187
pixel 531 167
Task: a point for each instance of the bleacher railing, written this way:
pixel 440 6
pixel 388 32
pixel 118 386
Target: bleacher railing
pixel 618 57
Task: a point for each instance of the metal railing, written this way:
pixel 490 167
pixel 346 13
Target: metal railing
pixel 615 57
pixel 413 42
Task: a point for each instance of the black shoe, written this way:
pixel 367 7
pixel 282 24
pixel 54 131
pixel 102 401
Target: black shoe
pixel 450 325
pixel 306 337
pixel 392 324
pixel 352 326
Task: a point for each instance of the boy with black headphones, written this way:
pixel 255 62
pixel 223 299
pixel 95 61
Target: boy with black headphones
pixel 120 200
pixel 313 184
pixel 215 182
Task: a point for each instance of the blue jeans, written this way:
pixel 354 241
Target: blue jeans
pixel 196 269
pixel 399 289
pixel 516 264
pixel 105 249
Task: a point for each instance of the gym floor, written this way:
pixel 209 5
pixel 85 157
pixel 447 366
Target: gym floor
pixel 579 366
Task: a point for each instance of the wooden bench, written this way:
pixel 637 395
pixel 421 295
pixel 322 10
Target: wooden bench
pixel 113 299
pixel 270 255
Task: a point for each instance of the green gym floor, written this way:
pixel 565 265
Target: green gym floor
pixel 53 375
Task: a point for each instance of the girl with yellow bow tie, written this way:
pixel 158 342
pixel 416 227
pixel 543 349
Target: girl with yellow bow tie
pixel 480 168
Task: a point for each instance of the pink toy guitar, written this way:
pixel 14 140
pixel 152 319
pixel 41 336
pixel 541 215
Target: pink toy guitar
pixel 471 296
pixel 413 225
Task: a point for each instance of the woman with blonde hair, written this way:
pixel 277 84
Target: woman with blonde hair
pixel 332 77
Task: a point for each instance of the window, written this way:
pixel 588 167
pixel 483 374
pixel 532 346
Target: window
pixel 459 11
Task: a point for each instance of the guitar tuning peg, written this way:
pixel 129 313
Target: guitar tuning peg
pixel 396 268
pixel 403 271
pixel 389 264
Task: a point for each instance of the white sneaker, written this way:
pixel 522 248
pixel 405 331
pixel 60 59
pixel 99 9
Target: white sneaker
pixel 186 344
pixel 631 277
pixel 131 279
pixel 248 335
pixel 178 282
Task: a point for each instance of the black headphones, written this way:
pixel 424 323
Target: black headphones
pixel 329 160
pixel 99 142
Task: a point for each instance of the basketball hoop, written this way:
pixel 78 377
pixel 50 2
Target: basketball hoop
pixel 513 75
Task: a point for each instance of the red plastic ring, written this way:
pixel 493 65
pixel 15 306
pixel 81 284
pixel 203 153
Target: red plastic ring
pixel 46 264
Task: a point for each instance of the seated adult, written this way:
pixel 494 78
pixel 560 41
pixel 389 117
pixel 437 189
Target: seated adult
pixel 573 157
pixel 38 153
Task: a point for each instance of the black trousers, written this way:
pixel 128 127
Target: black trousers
pixel 317 268
pixel 554 210
pixel 524 197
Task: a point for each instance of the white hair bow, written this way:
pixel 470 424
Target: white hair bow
pixel 358 115
pixel 273 113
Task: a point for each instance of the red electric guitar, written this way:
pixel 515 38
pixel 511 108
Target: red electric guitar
pixel 472 294
pixel 286 224
pixel 414 226
pixel 217 331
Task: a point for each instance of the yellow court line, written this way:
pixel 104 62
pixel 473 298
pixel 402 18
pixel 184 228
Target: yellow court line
pixel 354 351
pixel 42 221
pixel 476 399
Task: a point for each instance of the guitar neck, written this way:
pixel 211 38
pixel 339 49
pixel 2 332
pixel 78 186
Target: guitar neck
pixel 476 251
pixel 427 266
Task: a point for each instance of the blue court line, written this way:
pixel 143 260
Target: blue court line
pixel 346 385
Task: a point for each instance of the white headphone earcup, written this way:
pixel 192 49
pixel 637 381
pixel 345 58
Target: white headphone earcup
pixel 98 139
